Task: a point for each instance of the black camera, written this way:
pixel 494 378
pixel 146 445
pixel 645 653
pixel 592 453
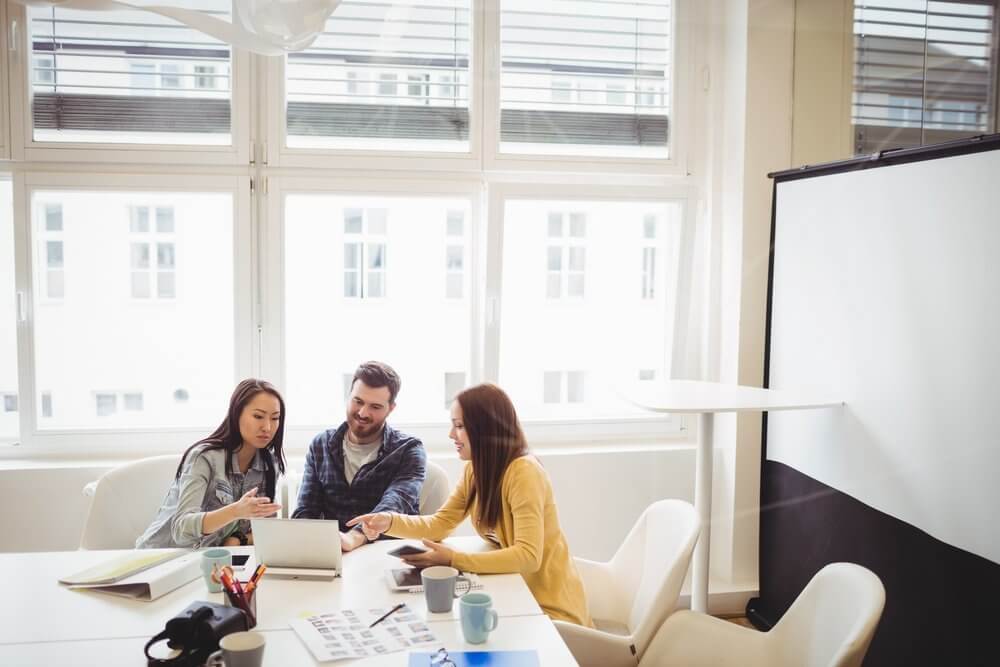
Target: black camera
pixel 196 632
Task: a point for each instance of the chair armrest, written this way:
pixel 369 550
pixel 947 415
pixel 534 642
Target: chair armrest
pixel 689 639
pixel 593 647
pixel 599 587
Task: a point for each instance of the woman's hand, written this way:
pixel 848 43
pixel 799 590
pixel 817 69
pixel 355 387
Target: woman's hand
pixel 372 525
pixel 250 506
pixel 436 554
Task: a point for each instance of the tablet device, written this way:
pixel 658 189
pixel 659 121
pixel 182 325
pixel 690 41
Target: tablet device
pixel 405 579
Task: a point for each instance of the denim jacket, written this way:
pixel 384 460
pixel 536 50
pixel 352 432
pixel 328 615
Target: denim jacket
pixel 202 487
pixel 389 483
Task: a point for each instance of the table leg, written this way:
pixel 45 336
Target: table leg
pixel 703 505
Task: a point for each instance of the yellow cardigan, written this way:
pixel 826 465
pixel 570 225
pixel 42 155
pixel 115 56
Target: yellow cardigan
pixel 531 541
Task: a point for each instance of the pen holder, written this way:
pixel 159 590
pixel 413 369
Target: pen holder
pixel 247 604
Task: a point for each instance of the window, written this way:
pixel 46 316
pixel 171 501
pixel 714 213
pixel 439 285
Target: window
pixel 120 77
pixel 46 411
pixel 453 383
pixel 563 386
pixel 547 345
pixel 51 246
pixel 590 46
pixel 400 50
pixel 10 402
pixel 117 339
pixel 925 71
pixel 567 255
pixel 413 327
pixel 649 230
pixel 647 375
pixel 455 255
pixel 152 252
pixel 364 253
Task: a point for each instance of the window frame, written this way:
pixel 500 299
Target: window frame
pixel 554 432
pixel 272 266
pixel 5 85
pixel 119 441
pixel 24 147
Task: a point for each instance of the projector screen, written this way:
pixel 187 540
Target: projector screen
pixel 886 294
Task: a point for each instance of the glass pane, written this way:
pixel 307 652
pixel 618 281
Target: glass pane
pixel 376 285
pixel 164 255
pixel 575 386
pixel 924 72
pixel 141 352
pixel 46 405
pixel 164 219
pixel 376 255
pixel 376 221
pixel 439 339
pixel 456 223
pixel 353 221
pixel 649 227
pixel 9 424
pixel 389 75
pixel 351 286
pixel 453 383
pixel 10 402
pixel 53 218
pixel 54 254
pixel 538 334
pixel 577 225
pixel 454 285
pixel 552 386
pixel 140 256
pixel 555 224
pixel 133 401
pixel 140 284
pixel 647 374
pixel 455 257
pixel 127 76
pixel 587 78
pixel 138 219
pixel 166 284
pixel 352 255
pixel 106 404
pixel 555 258
pixel 55 287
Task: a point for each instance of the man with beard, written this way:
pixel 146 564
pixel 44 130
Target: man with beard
pixel 364 465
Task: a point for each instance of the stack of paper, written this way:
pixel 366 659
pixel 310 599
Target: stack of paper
pixel 338 635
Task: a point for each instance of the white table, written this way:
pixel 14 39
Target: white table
pixel 706 399
pixel 44 623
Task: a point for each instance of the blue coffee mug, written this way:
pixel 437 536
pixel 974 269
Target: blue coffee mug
pixel 478 617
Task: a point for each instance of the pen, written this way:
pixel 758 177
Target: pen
pixel 387 614
pixel 256 577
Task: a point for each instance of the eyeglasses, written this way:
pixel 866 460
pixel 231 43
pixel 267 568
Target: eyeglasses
pixel 441 659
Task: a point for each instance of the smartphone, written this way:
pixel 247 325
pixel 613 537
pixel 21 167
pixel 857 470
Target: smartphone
pixel 240 560
pixel 406 550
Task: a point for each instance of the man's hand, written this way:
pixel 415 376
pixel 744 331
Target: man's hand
pixel 436 554
pixel 372 525
pixel 351 540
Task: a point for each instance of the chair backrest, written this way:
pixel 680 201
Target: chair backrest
pixel 125 502
pixel 650 565
pixel 435 490
pixel 832 621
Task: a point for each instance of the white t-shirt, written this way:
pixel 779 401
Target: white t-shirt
pixel 356 455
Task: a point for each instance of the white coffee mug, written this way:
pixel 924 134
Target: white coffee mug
pixel 239 649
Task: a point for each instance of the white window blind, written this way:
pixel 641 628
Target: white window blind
pixel 127 76
pixel 586 73
pixel 384 73
pixel 925 71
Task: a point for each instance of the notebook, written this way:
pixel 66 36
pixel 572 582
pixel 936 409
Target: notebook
pixel 298 548
pixel 408 579
pixel 480 659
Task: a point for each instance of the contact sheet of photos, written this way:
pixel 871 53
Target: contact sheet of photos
pixel 339 635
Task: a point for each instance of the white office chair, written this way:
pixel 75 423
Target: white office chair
pixel 633 593
pixel 830 624
pixel 435 490
pixel 125 501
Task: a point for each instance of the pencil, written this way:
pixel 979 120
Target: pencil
pixel 387 614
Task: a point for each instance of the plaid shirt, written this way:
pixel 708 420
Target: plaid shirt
pixel 389 483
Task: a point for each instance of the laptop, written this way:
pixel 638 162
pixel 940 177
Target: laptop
pixel 298 548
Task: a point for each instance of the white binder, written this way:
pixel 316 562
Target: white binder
pixel 141 575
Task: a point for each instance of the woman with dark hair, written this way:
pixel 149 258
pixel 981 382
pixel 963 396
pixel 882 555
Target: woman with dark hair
pixel 509 496
pixel 215 490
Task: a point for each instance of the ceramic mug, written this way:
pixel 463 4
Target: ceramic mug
pixel 479 618
pixel 439 583
pixel 211 557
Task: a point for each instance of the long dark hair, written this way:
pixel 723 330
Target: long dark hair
pixel 227 435
pixel 496 438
